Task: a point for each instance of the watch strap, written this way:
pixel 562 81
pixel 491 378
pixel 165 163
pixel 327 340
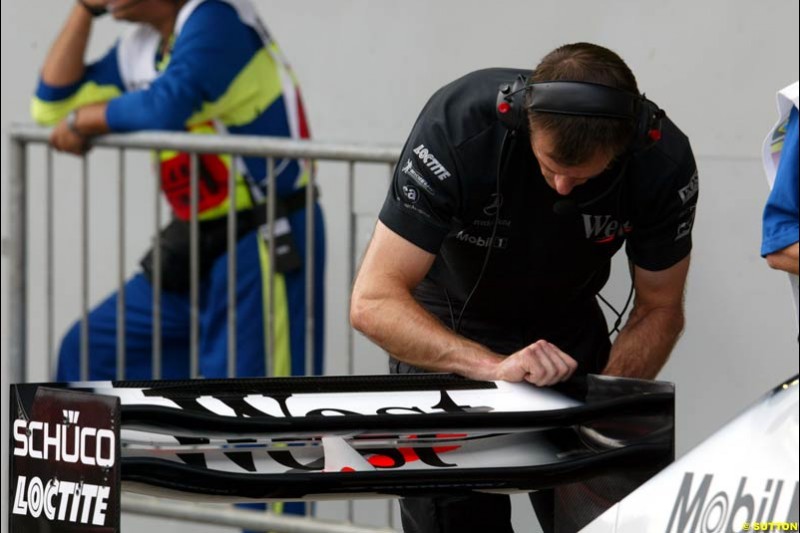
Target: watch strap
pixel 94 10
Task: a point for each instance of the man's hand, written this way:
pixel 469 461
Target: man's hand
pixel 541 363
pixel 64 139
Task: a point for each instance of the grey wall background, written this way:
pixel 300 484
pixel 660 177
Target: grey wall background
pixel 367 68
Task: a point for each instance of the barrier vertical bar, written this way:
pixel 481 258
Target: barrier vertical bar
pixel 17 275
pixel 310 272
pixel 194 270
pixel 49 247
pixel 84 363
pixel 121 264
pixel 232 278
pixel 270 206
pixel 351 261
pixel 309 287
pixel 351 268
pixel 156 274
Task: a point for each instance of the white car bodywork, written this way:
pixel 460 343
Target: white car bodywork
pixel 743 478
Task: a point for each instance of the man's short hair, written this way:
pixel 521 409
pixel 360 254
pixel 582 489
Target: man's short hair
pixel 578 138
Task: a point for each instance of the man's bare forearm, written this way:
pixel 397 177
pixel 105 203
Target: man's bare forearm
pixel 408 332
pixel 91 120
pixel 65 60
pixel 645 343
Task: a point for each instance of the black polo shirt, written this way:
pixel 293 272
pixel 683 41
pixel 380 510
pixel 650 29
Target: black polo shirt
pixel 545 268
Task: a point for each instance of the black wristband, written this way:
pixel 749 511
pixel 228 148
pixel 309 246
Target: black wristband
pixel 94 11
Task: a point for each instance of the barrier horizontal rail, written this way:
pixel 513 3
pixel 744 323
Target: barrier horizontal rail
pixel 21 135
pixel 246 145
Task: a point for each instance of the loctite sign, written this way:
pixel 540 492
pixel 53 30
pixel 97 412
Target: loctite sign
pixel 64 461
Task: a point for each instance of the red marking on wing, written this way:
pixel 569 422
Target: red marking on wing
pixel 410 454
pixel 381 461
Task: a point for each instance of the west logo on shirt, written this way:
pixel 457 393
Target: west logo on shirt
pixel 603 229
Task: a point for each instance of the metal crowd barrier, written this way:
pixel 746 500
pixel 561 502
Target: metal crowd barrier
pixel 21 136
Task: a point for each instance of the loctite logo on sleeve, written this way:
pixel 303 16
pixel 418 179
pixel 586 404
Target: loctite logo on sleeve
pixel 432 163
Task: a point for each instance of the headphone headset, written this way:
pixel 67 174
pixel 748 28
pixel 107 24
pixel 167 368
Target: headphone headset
pixel 579 98
pixel 573 98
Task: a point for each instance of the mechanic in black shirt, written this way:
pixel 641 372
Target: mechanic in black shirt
pixel 513 192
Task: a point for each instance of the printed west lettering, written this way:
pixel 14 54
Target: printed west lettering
pixel 603 228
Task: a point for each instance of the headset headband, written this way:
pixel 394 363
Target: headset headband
pixel 579 98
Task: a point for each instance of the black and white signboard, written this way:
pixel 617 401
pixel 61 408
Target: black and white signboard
pixel 64 461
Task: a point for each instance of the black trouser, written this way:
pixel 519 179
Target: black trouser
pixel 479 513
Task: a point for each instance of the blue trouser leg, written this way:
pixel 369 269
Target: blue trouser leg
pixel 250 359
pixel 295 288
pixel 138 337
pixel 250 307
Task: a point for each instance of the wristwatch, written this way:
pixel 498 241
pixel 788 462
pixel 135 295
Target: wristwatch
pixel 94 11
pixel 72 119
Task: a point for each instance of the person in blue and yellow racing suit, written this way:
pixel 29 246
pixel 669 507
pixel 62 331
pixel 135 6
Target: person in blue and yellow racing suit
pixel 203 67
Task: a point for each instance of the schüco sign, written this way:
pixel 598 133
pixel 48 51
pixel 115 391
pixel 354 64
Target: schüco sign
pixel 64 458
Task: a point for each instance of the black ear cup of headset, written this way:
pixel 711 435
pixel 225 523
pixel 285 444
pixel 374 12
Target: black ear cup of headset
pixel 648 125
pixel 578 99
pixel 510 105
